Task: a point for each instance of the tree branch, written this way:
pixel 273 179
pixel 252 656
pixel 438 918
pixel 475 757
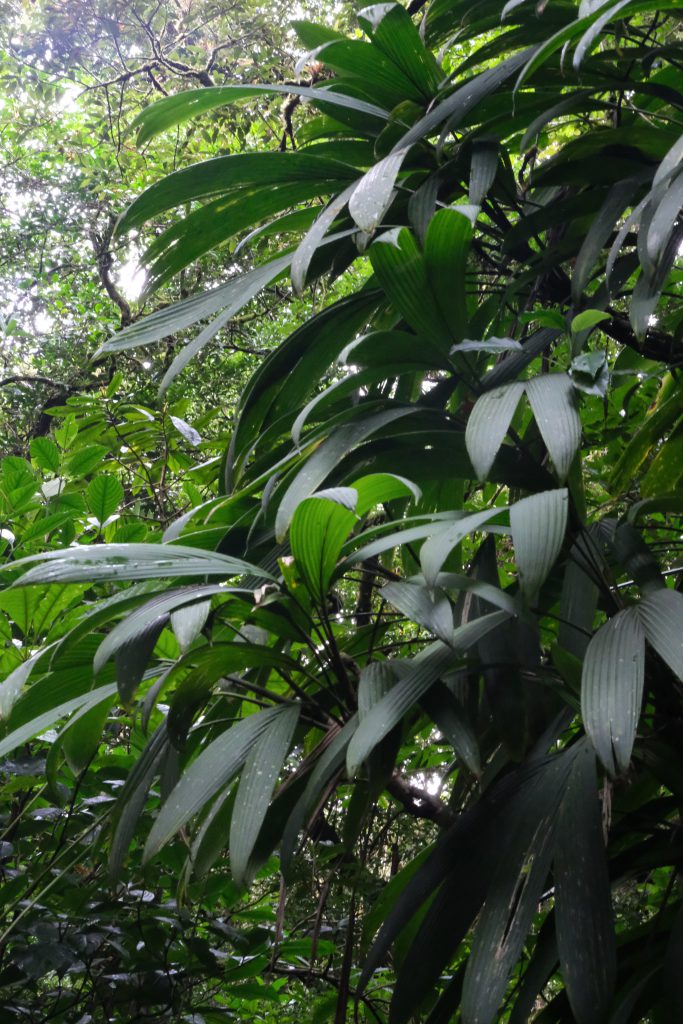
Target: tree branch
pixel 20 378
pixel 419 803
pixel 101 245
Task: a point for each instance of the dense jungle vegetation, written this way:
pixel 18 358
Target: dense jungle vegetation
pixel 341 485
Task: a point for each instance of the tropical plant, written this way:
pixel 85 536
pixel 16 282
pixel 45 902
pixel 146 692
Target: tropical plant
pixel 441 552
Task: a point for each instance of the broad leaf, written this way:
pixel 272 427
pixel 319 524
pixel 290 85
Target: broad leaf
pixel 104 495
pixel 211 771
pixel 373 193
pixel 488 424
pixel 319 528
pixel 538 525
pixel 583 906
pixel 130 562
pixel 423 673
pixel 661 613
pixel 257 783
pixel 612 688
pixel 421 606
pixel 437 548
pixel 553 401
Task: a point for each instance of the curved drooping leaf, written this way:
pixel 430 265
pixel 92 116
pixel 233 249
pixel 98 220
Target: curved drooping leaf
pixel 437 548
pixel 244 290
pixel 130 562
pixel 483 169
pixel 589 38
pixel 553 401
pixel 373 193
pixel 661 613
pixel 663 220
pixel 257 783
pixel 599 233
pixel 538 525
pixel 174 110
pixel 431 612
pixel 425 669
pixel 211 771
pixel 133 657
pixel 378 488
pixel 325 458
pixel 45 720
pixel 451 717
pixel 583 906
pixel 488 424
pixel 512 365
pixel 515 889
pixel 578 604
pixel 328 764
pixel 466 98
pixel 641 442
pixel 612 688
pixel 155 611
pixel 132 798
pixel 13 683
pixel 488 592
pixel 313 238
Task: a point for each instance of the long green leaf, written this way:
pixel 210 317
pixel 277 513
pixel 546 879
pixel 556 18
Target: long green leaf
pixel 488 424
pixel 373 193
pixel 437 548
pixel 325 458
pixel 313 238
pixel 423 673
pixel 210 772
pixel 456 107
pixel 583 907
pixel 174 110
pixel 215 222
pixel 329 762
pixel 48 718
pixel 421 606
pixel 257 783
pixel 538 524
pixel 513 896
pixel 156 610
pixel 13 683
pixel 553 402
pixel 223 173
pixel 599 233
pixel 244 290
pixel 589 38
pixel 133 797
pixel 612 688
pixel 661 613
pixel 111 562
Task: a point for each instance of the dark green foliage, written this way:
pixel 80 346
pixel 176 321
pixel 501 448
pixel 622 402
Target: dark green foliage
pixel 444 513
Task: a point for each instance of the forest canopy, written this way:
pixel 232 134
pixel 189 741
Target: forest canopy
pixel 340 512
